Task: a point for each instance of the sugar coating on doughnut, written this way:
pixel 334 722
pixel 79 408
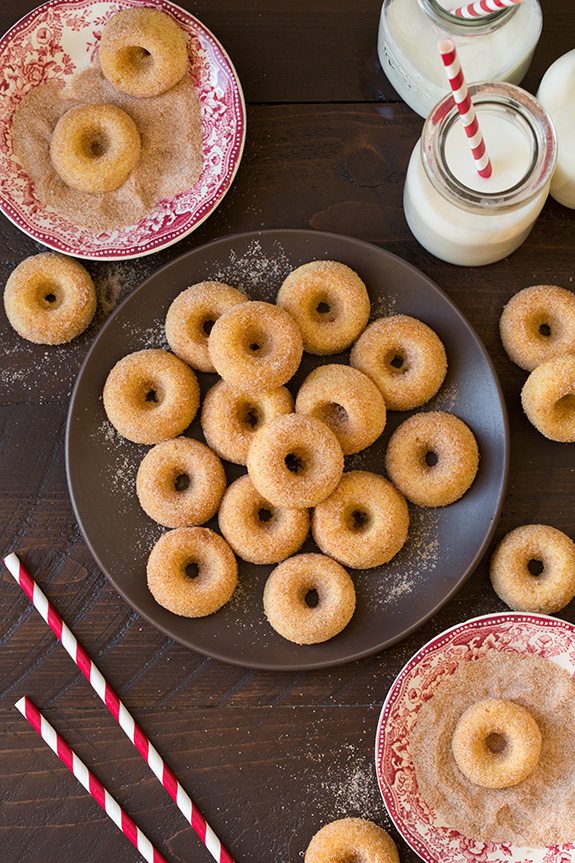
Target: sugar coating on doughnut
pixel 548 398
pixel 288 604
pixel 533 569
pixel 192 571
pixel 192 315
pixel 363 523
pixel 255 347
pixel 94 148
pixel 537 324
pixel 143 52
pixel 432 458
pixel 496 743
pixel 49 299
pixel 230 418
pixel 347 401
pixel 352 839
pixel 258 531
pixel 295 461
pixel 180 483
pixel 330 303
pixel 404 358
pixel 151 396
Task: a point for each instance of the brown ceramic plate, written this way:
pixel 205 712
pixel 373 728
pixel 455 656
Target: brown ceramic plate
pixel 444 544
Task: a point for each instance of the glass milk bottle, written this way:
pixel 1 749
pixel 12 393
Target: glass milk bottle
pixel 461 217
pixel 495 48
pixel 557 95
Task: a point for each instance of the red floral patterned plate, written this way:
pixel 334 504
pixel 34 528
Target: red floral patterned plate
pixel 511 632
pixel 61 37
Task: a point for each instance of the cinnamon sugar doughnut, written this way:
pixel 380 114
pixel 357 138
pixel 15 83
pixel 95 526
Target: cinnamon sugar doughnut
pixel 231 418
pixel 363 523
pixel 347 401
pixel 192 315
pixel 257 530
pixel 548 398
pixel 349 840
pixel 49 299
pixel 309 598
pixel 151 396
pixel 533 569
pixel 192 571
pixel 143 52
pixel 538 324
pixel 180 483
pixel 432 458
pixel 330 303
pixel 94 148
pixel 255 347
pixel 496 743
pixel 404 358
pixel 295 461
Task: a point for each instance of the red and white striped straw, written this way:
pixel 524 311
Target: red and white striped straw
pixel 465 107
pixel 484 8
pixel 92 785
pixel 118 710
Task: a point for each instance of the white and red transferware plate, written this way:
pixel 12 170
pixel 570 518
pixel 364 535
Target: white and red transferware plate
pixel 511 632
pixel 58 39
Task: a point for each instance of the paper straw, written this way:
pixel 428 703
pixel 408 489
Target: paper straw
pixel 465 107
pixel 92 785
pixel 118 710
pixel 483 8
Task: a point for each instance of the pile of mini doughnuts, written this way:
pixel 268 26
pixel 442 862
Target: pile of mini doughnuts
pixel 294 452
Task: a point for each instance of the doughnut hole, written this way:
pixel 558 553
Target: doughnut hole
pixel 357 518
pixel 208 323
pixel 49 295
pixel 324 309
pixel 182 482
pixel 396 360
pixel 94 142
pixel 298 461
pixel 134 59
pixel 152 394
pixel 249 415
pixel 565 407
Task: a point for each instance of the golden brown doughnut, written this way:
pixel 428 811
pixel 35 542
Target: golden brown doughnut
pixel 349 840
pixel 289 595
pixel 548 398
pixel 257 530
pixel 538 324
pixel 530 549
pixel 347 401
pixel 151 396
pixel 180 483
pixel 192 315
pixel 432 458
pixel 363 523
pixel 192 571
pixel 330 303
pixel 49 299
pixel 404 358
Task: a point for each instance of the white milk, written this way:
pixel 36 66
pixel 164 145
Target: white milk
pixel 557 94
pixel 496 50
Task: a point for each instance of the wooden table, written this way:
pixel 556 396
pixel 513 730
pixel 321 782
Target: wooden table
pixel 268 757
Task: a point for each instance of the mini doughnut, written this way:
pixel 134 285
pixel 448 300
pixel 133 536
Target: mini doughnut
pixel 289 595
pixel 404 358
pixel 496 743
pixel 180 483
pixel 363 523
pixel 95 148
pixel 151 396
pixel 255 347
pixel 533 569
pixel 192 571
pixel 191 317
pixel 295 461
pixel 231 418
pixel 257 530
pixel 538 324
pixel 432 458
pixel 49 299
pixel 548 398
pixel 143 52
pixel 347 401
pixel 349 840
pixel 330 304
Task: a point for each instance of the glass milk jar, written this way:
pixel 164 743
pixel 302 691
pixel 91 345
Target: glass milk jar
pixel 466 219
pixel 496 48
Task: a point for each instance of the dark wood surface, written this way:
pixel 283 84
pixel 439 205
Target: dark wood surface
pixel 268 757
